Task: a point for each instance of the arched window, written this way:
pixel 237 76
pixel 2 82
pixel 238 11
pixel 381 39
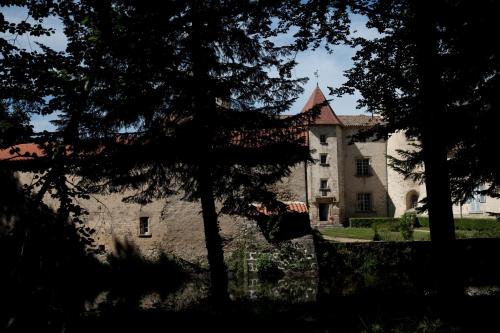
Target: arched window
pixel 411 199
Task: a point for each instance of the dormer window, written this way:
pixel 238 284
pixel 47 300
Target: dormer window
pixel 322 139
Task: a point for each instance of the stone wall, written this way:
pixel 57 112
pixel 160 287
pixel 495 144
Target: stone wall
pixel 295 258
pixel 293 187
pixel 400 188
pixel 176 226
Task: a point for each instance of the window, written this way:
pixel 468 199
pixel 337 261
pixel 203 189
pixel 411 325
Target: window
pixel 322 139
pixel 322 159
pixel 144 226
pixel 414 201
pixel 363 167
pixel 323 184
pixel 482 197
pixel 477 199
pixel 323 211
pixel 364 202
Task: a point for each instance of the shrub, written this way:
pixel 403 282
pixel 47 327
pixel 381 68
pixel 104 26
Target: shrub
pixel 367 222
pixel 406 224
pixel 477 224
pixel 267 267
pixel 376 235
pixel 474 224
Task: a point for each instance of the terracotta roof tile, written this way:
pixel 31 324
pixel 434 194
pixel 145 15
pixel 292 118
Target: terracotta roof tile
pixel 359 120
pixel 293 206
pixel 326 116
pixel 24 149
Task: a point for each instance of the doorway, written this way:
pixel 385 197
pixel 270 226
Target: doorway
pixel 323 211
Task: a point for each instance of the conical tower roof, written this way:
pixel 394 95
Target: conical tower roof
pixel 326 116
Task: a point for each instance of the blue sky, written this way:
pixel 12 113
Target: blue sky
pixel 330 66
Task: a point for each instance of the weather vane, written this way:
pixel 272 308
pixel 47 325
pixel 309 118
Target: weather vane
pixel 317 77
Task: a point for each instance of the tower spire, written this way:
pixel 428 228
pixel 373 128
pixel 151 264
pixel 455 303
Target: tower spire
pixel 317 77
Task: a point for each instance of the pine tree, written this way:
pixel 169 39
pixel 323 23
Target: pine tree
pixel 202 86
pixel 427 76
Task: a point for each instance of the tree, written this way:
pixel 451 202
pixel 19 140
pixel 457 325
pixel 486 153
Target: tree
pixel 427 76
pixel 202 86
pixel 41 253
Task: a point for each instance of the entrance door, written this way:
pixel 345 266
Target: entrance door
pixel 323 211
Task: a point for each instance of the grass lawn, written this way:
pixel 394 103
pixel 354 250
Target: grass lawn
pixel 420 234
pixel 356 233
pixel 368 233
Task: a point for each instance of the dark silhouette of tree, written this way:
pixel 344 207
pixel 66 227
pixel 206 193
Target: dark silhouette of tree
pixel 429 76
pixel 200 84
pixel 199 88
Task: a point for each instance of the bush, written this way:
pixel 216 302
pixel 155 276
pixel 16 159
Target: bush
pixel 376 235
pixel 477 224
pixel 267 267
pixel 474 224
pixel 406 224
pixel 368 222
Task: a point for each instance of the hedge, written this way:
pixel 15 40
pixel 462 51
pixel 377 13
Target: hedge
pixel 368 222
pixel 473 224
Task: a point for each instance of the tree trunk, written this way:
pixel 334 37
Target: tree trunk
pixel 204 107
pixel 435 152
pixel 218 272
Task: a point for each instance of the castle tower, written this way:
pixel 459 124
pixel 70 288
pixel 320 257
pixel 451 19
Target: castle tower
pixel 325 185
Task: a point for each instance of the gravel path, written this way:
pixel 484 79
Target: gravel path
pixel 346 240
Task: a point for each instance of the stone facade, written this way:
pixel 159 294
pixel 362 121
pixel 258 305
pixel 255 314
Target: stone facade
pixel 330 193
pixel 347 179
pixel 175 226
pixel 353 190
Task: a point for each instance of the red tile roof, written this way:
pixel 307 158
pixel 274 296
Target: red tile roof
pixel 297 206
pixel 360 120
pixel 292 206
pixel 326 115
pixel 24 150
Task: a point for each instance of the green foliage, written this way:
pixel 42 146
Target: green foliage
pixel 292 258
pixel 368 268
pixel 400 268
pixel 406 224
pixel 376 235
pixel 367 222
pixel 267 267
pixel 472 224
pixel 236 262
